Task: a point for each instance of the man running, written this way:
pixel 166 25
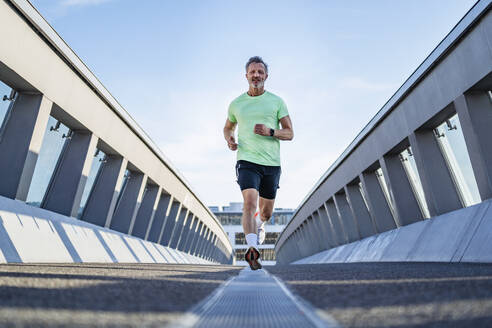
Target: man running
pixel 258 113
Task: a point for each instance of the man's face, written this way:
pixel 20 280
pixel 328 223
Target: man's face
pixel 256 75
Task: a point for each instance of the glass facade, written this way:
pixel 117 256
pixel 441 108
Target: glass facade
pixel 53 141
pixel 5 102
pixel 99 158
pixel 266 254
pixel 452 143
pixel 408 162
pixel 270 238
pixel 234 218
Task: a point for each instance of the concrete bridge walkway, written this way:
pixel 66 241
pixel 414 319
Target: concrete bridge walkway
pixel 329 295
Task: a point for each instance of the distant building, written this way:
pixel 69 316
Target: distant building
pixel 230 218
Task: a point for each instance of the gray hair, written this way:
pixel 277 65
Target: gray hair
pixel 256 59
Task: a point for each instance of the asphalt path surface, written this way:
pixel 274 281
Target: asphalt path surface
pixel 152 295
pixel 396 294
pixel 103 295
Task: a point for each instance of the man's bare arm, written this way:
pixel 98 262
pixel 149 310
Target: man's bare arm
pixel 285 133
pixel 229 128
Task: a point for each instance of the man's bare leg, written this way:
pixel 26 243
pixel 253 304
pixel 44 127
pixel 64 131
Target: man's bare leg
pixel 252 255
pixel 250 197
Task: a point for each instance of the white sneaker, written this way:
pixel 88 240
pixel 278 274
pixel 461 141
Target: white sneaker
pixel 260 226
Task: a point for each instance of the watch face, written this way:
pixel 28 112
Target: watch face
pixel 272 131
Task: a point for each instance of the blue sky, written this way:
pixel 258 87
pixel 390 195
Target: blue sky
pixel 176 65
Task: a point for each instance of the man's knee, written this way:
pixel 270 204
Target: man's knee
pixel 249 205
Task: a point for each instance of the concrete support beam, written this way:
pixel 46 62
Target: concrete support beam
pixel 146 211
pixel 211 246
pixel 405 203
pixel 21 138
pixel 439 188
pixel 318 227
pixel 163 207
pixel 475 114
pixel 338 229
pixel 316 233
pixel 376 201
pixel 183 238
pixel 67 183
pixel 170 223
pixel 129 203
pixel 102 200
pixel 300 242
pixel 178 228
pixel 304 240
pixel 329 239
pixel 346 217
pixel 359 211
pixel 203 243
pixel 191 234
pixel 196 238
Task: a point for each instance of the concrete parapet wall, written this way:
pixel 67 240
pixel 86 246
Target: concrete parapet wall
pixel 30 234
pixel 463 235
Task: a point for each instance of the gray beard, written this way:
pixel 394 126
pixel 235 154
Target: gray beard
pixel 259 86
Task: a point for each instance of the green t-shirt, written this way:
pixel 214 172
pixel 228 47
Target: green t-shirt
pixel 247 111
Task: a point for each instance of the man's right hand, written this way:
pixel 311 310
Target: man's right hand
pixel 231 142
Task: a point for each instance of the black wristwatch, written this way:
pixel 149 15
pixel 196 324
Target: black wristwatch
pixel 272 132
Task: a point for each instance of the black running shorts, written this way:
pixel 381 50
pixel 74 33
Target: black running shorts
pixel 263 178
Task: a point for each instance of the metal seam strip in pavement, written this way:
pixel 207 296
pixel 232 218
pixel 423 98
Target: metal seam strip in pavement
pixel 253 299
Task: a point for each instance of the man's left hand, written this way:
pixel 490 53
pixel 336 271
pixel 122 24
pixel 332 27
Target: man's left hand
pixel 262 130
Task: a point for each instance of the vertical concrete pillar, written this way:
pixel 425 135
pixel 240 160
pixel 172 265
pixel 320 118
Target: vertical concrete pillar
pixel 146 211
pixel 21 138
pixel 319 228
pixel 102 200
pixel 376 201
pixel 170 223
pixel 67 183
pixel 439 189
pixel 196 238
pixel 204 242
pixel 338 229
pixel 475 114
pixel 327 229
pixel 186 232
pixel 346 217
pixel 129 203
pixel 406 206
pixel 163 208
pixel 211 247
pixel 178 230
pixel 201 241
pixel 315 238
pixel 298 244
pixel 191 234
pixel 303 240
pixel 359 211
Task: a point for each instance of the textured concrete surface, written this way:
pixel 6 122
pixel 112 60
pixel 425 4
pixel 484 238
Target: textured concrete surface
pixel 396 294
pixel 103 295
